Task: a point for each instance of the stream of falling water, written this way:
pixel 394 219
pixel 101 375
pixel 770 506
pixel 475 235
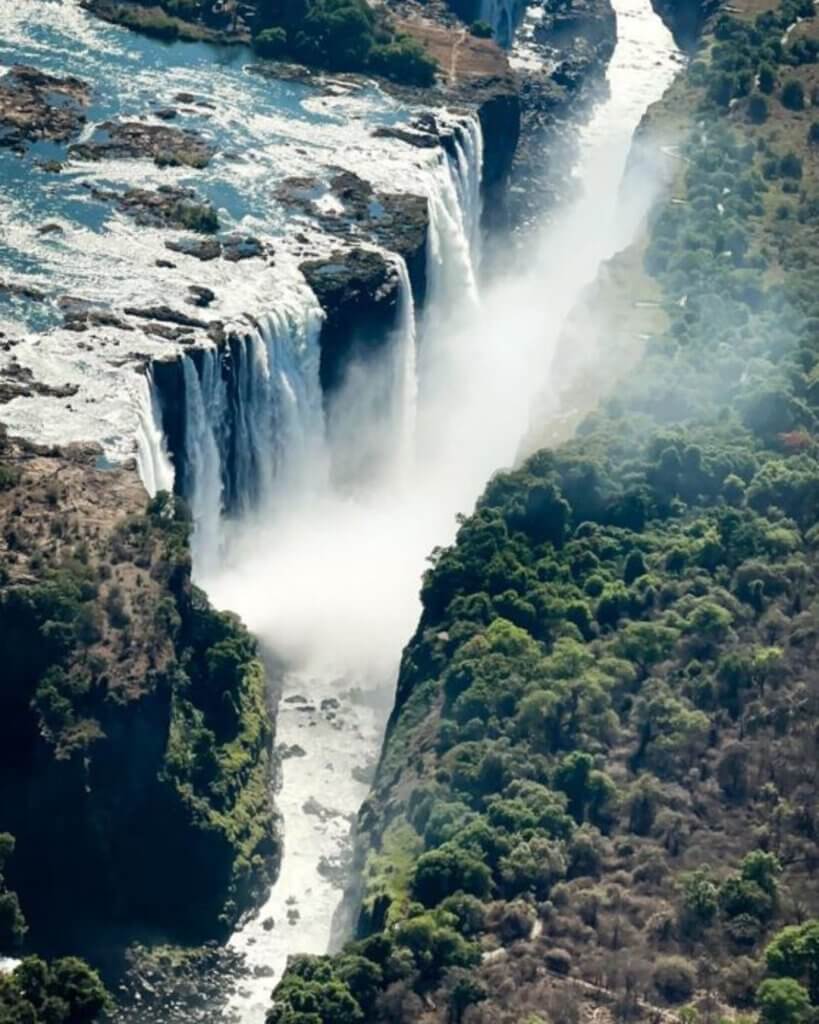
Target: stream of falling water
pixel 327 575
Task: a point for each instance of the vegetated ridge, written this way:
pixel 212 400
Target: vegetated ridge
pixel 135 741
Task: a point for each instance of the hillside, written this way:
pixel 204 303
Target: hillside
pixel 132 716
pixel 598 794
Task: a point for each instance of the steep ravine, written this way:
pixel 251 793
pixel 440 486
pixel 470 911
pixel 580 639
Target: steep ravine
pixel 367 545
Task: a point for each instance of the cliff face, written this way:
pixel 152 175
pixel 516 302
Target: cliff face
pixel 686 18
pixel 134 737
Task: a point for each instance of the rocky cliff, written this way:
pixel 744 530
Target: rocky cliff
pixel 134 736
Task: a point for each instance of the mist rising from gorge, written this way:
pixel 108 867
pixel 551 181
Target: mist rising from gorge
pixel 327 575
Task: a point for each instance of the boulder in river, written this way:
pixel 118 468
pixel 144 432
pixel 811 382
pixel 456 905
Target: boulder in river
pixel 166 145
pixel 36 107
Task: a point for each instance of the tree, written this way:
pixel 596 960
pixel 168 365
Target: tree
pixel 793 95
pixel 674 979
pixel 794 953
pixel 783 1001
pixel 635 566
pixel 442 872
pixel 767 79
pixel 699 901
pixel 758 109
pixel 465 990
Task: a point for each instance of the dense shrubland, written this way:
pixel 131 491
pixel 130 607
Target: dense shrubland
pixel 132 715
pixel 340 35
pixel 65 991
pixel 336 35
pixel 603 764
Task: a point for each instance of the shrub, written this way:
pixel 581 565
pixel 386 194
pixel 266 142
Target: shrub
pixel 783 1001
pixel 404 60
pixel 674 979
pixel 758 109
pixel 790 166
pixel 271 43
pixel 793 95
pixel 481 29
pixel 813 134
pixel 767 79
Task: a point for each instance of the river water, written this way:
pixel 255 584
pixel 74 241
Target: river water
pixel 326 568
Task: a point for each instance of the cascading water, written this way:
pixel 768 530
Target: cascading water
pixel 204 402
pixel 153 461
pixel 455 216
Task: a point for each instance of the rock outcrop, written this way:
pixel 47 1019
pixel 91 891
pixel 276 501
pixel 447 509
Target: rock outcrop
pixel 359 292
pixel 685 18
pixel 134 738
pixel 37 107
pixel 166 145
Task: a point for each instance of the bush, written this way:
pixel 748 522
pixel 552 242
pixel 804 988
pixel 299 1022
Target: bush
pixel 758 109
pixel 481 29
pixel 674 979
pixel 790 166
pixel 271 43
pixel 404 60
pixel 767 79
pixel 813 134
pixel 793 95
pixel 783 1001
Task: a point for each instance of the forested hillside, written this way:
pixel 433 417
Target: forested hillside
pixel 599 791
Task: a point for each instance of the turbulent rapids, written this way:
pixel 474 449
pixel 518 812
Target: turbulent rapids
pixel 314 510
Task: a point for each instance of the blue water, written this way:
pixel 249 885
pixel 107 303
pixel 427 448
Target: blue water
pixel 262 129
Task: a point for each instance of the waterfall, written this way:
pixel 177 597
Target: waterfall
pixel 153 461
pixel 454 215
pixel 204 401
pixel 405 399
pixel 253 421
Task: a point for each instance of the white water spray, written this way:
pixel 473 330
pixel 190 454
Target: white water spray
pixel 154 465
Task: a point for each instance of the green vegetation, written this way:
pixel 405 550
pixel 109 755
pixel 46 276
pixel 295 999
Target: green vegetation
pixel 12 922
pixel 133 716
pixel 603 753
pixel 340 35
pixel 481 29
pixel 65 991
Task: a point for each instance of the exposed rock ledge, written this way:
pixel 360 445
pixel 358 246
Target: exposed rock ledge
pixel 36 107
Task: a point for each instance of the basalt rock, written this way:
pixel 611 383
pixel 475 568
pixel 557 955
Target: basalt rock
pixel 17 381
pixel 685 18
pixel 166 206
pixel 167 146
pixel 35 107
pixel 399 222
pixel 233 248
pixel 358 292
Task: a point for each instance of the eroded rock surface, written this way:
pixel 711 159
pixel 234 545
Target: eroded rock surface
pixel 166 145
pixel 37 107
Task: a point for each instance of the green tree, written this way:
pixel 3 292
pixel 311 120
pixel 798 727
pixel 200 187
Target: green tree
pixel 783 1001
pixel 794 953
pixel 793 95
